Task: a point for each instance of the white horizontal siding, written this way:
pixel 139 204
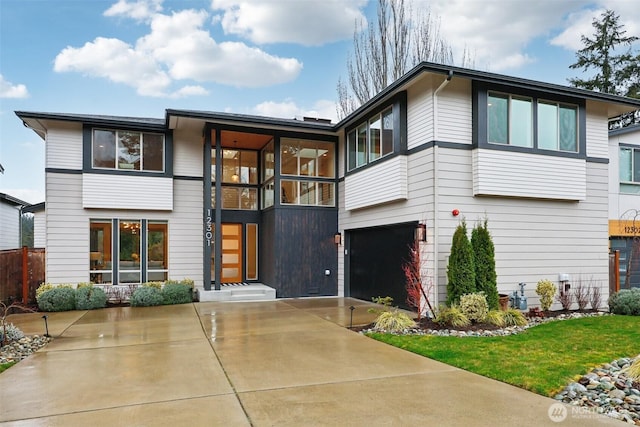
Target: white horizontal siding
pixel 187 152
pixel 534 238
pixel 68 229
pixel 63 146
pixel 454 115
pixel 39 230
pixel 382 183
pixel 505 173
pixel 127 192
pixel 597 130
pixel 9 226
pixel 420 113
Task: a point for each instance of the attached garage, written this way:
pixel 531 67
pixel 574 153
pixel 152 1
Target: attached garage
pixel 374 259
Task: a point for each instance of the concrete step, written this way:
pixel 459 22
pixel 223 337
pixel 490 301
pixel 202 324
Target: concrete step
pixel 249 292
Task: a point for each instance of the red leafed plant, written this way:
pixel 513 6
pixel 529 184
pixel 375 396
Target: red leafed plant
pixel 417 296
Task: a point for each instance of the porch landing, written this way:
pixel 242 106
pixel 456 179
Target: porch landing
pixel 239 292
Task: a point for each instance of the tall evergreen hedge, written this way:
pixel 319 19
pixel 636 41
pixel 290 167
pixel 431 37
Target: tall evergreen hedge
pixel 485 264
pixel 460 270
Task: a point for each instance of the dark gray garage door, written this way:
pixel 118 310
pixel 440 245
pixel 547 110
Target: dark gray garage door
pixel 375 257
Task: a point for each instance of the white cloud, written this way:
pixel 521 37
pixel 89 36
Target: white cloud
pixel 117 61
pixel 309 23
pixel 288 109
pixel 190 53
pixel 177 48
pixel 498 31
pixel 10 90
pixel 140 10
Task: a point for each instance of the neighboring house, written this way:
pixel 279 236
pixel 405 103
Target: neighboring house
pixel 10 209
pixel 624 201
pixel 223 198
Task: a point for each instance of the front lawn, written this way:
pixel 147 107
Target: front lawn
pixel 542 359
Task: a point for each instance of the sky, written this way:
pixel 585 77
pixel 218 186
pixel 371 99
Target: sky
pixel 278 58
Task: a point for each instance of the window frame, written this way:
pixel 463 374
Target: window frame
pixel 88 149
pixel 629 187
pixel 141 144
pixel 481 91
pixel 364 127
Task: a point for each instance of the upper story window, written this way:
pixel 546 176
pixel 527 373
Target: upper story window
pixel 127 150
pixel 238 166
pixel 301 157
pixel 629 165
pixel 510 121
pixel 519 119
pixel 370 140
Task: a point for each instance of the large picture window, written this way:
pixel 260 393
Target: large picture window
pixel 530 122
pixel 370 140
pixel 303 157
pixel 140 248
pixel 126 150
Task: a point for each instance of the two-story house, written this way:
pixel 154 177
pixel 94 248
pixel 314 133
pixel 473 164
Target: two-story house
pixel 10 221
pixel 624 202
pixel 312 208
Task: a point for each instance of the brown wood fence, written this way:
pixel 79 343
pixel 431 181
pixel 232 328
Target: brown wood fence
pixel 614 272
pixel 21 272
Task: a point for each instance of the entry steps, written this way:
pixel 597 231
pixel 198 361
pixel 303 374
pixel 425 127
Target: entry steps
pixel 239 292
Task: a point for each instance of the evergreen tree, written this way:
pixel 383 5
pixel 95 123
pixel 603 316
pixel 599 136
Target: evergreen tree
pixel 485 263
pixel 617 70
pixel 460 270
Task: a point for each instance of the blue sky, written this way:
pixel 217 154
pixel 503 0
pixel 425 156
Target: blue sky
pixel 279 58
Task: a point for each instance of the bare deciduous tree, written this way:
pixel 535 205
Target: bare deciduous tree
pixel 387 48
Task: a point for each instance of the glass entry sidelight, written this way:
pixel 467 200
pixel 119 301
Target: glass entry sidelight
pixel 231 253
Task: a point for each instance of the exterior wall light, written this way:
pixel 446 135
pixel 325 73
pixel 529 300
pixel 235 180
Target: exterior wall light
pixel 421 233
pixel 455 212
pixel 337 239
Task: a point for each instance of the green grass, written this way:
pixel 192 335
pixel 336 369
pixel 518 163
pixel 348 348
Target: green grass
pixel 543 359
pixel 5 366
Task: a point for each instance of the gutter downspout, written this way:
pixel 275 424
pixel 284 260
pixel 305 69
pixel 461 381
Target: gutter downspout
pixel 436 186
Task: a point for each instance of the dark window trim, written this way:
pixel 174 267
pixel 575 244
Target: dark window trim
pixel 479 119
pixel 87 160
pixel 399 108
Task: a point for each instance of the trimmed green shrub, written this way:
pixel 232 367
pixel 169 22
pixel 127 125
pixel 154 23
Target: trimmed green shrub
pixel 393 321
pixel 484 261
pixel 626 302
pixel 474 306
pixel 89 298
pixel 546 289
pixel 452 316
pixel 461 278
pixel 12 331
pixel 513 317
pixel 174 293
pixel 146 296
pixel 59 298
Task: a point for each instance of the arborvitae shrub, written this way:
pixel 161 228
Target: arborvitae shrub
pixel 460 270
pixel 484 262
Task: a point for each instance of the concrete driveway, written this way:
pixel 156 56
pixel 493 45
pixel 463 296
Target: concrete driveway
pixel 277 363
